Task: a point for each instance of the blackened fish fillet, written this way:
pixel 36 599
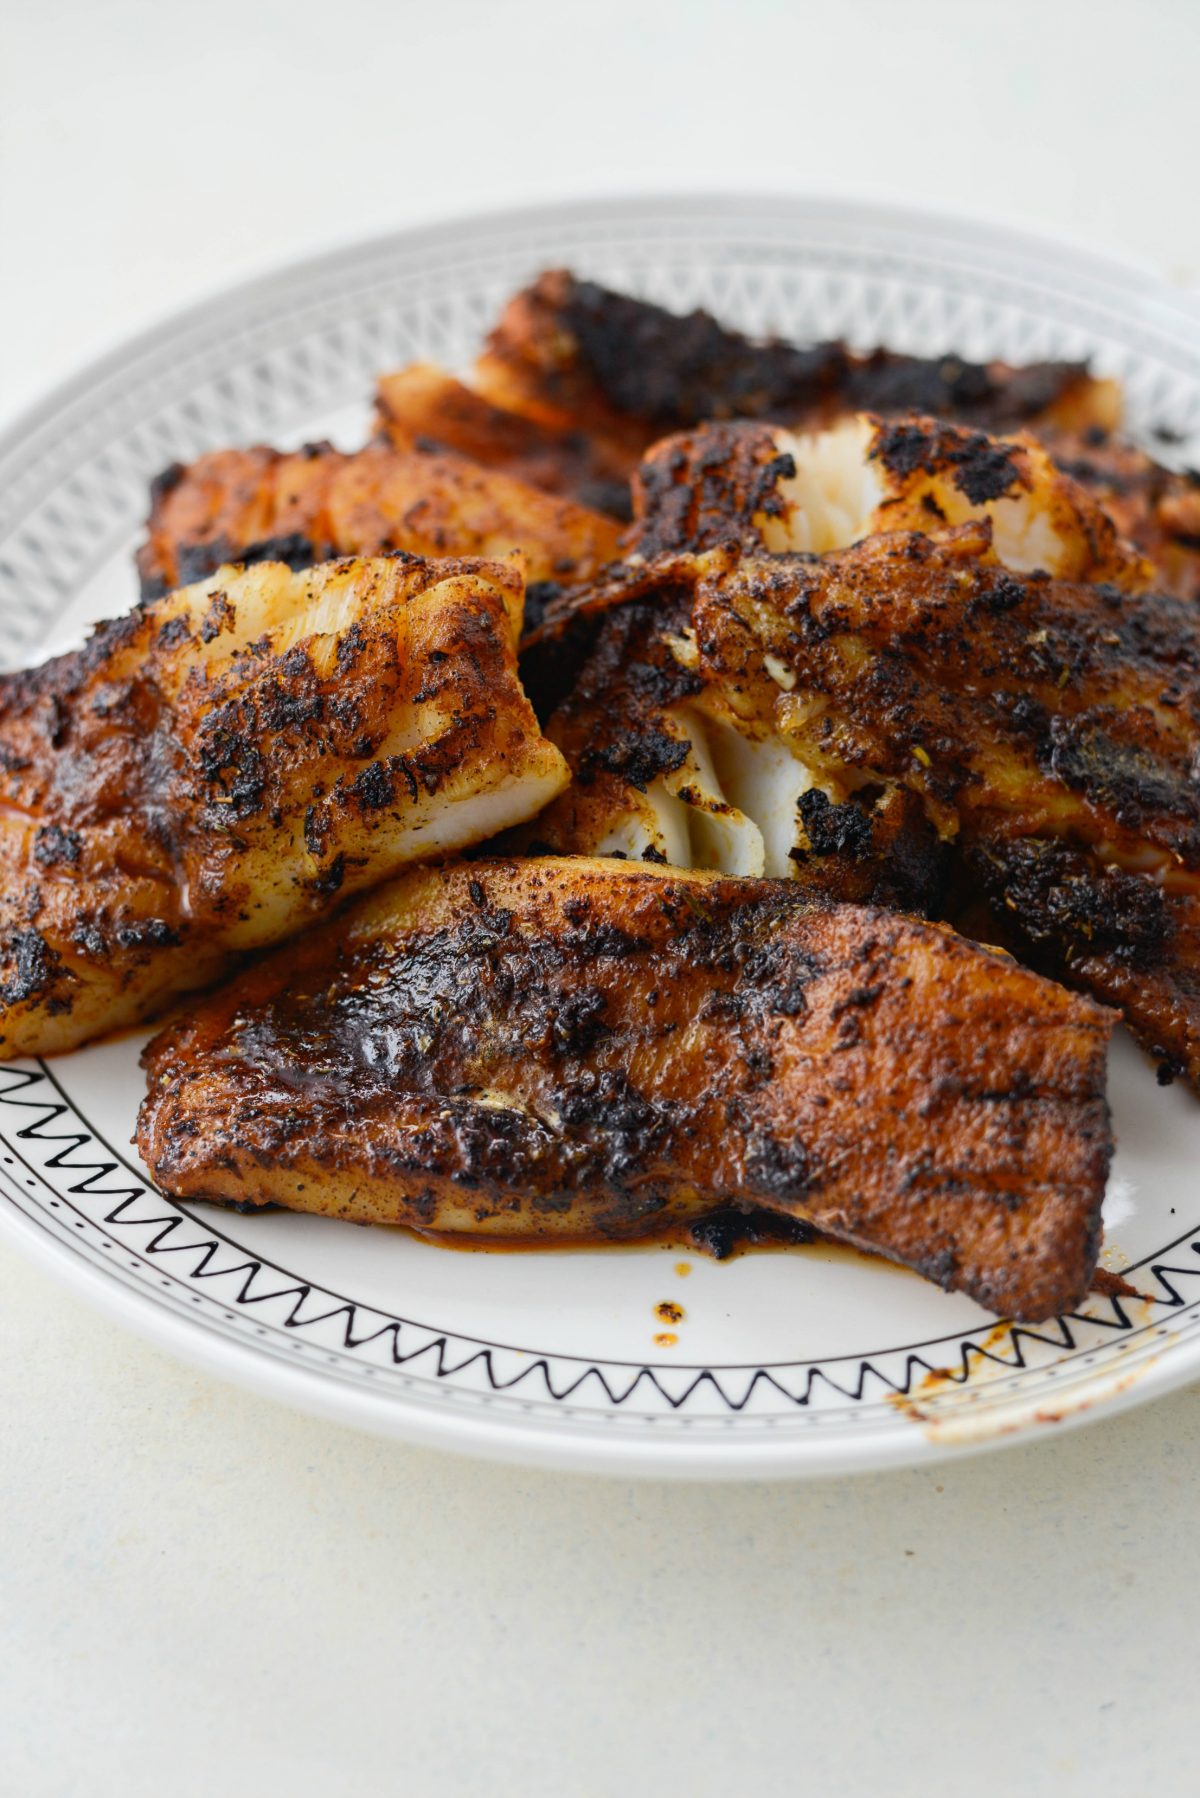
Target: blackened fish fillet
pixel 260 505
pixel 572 1048
pixel 227 763
pixel 1050 728
pixel 574 354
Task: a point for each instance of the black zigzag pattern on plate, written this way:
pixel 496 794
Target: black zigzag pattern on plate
pixel 161 1234
pixel 279 358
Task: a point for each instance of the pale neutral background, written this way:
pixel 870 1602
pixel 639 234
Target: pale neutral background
pixel 202 1594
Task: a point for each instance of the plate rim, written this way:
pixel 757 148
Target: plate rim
pixel 586 1448
pixel 957 227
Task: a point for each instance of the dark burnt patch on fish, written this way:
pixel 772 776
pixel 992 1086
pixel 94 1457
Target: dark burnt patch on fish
pixel 693 492
pixel 981 468
pixel 625 371
pixel 634 756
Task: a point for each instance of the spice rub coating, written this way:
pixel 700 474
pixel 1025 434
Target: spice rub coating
pixel 572 353
pixel 769 488
pixel 1156 508
pixel 423 407
pixel 579 1048
pixel 665 769
pixel 316 504
pixel 1051 730
pixel 224 765
pixel 761 487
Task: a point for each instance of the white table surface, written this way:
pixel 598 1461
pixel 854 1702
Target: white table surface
pixel 201 1593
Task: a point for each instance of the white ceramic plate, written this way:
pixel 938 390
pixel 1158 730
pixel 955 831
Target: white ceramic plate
pixel 786 1363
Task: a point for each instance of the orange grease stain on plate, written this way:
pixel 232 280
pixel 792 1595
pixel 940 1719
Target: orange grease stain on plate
pixel 964 1423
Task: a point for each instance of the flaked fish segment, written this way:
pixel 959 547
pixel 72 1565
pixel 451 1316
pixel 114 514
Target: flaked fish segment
pixel 730 806
pixel 222 766
pixel 571 1049
pixel 774 489
pixel 675 760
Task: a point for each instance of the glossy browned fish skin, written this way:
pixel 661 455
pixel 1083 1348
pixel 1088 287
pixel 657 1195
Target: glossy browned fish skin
pixel 575 354
pixel 317 504
pixel 424 407
pixel 573 1048
pixel 224 765
pixel 1051 729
